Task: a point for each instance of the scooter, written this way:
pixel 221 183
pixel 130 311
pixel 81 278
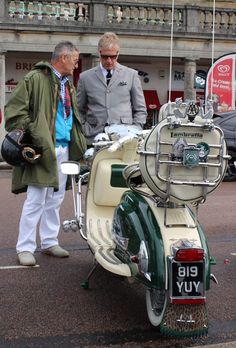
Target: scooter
pixel 143 193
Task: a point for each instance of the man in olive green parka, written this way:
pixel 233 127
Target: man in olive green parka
pixel 38 106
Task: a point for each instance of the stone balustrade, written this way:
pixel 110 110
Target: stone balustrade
pixel 58 10
pixel 225 20
pixel 144 15
pixel 119 15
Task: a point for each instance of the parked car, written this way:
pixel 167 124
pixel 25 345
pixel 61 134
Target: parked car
pixel 227 122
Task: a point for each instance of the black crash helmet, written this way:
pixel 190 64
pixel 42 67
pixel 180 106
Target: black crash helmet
pixel 17 150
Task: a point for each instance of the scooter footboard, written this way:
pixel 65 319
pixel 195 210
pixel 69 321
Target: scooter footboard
pixel 102 245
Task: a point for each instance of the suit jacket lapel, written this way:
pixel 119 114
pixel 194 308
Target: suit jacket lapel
pixel 99 75
pixel 115 74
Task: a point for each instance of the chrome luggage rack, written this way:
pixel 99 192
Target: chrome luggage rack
pixel 202 163
pixel 189 155
pixel 207 159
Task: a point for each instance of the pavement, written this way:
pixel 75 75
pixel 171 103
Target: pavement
pixel 220 345
pixel 71 317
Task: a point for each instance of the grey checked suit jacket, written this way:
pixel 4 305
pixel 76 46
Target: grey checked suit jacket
pixel 121 102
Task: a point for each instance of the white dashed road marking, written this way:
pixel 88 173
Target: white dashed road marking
pixel 16 267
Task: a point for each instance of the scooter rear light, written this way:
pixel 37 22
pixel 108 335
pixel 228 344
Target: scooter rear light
pixel 191 254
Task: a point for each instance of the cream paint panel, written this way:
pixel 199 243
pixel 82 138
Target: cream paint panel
pixel 104 193
pixel 99 217
pixel 171 235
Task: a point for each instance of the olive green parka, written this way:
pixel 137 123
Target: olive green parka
pixel 33 106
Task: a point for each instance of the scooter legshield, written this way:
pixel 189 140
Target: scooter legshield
pixel 133 225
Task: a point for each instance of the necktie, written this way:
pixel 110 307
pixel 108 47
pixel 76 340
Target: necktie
pixel 67 101
pixel 108 76
pixel 65 96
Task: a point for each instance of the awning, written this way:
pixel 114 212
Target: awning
pixel 200 94
pixel 152 100
pixel 175 94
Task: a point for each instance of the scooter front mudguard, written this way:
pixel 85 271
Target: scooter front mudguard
pixel 133 225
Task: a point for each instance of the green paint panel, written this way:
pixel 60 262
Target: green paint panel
pixel 134 219
pixel 117 179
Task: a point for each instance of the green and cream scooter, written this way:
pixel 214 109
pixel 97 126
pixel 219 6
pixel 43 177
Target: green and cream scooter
pixel 139 222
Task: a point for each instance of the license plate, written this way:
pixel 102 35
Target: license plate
pixel 187 279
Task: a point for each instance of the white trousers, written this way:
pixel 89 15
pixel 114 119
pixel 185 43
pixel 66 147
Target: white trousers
pixel 42 206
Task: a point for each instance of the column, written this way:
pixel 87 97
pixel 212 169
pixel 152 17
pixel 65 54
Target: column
pixel 95 61
pixel 189 74
pixel 2 94
pixel 4 8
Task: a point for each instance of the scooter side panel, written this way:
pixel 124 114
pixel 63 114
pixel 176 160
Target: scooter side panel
pixel 207 253
pixel 135 222
pixel 207 256
pixel 185 226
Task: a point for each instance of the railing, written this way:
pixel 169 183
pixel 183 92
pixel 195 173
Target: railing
pixel 119 15
pixel 145 15
pixel 225 20
pixel 50 10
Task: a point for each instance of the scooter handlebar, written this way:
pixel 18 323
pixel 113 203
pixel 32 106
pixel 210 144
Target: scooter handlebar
pixel 118 144
pixel 114 145
pixel 103 143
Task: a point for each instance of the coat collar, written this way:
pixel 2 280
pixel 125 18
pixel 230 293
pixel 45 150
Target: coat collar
pixel 115 74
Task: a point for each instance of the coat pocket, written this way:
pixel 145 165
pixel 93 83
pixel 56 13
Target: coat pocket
pixel 126 120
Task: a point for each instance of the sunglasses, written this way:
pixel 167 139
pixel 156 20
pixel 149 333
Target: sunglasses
pixel 104 56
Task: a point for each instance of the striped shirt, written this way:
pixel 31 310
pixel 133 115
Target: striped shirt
pixel 63 81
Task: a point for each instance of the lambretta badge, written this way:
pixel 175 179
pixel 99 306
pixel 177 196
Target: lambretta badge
pixel 186 135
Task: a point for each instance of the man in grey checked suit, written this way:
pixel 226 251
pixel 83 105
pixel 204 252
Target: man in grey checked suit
pixel 110 93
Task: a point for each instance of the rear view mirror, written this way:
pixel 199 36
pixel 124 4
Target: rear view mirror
pixel 70 167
